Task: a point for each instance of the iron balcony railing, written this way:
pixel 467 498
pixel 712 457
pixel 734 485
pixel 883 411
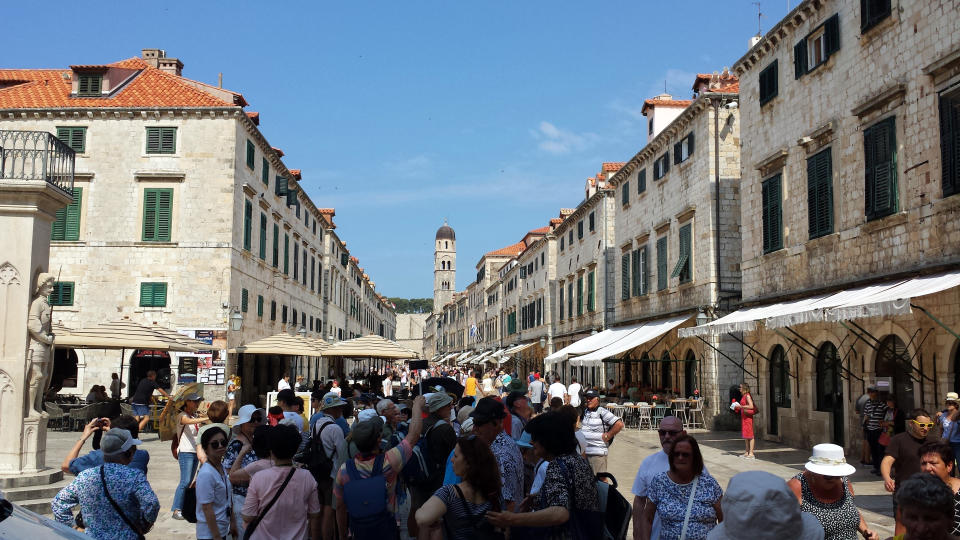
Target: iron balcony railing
pixel 36 155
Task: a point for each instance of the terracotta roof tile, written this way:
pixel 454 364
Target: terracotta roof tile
pixel 512 250
pixel 612 166
pixel 278 151
pixel 330 211
pixel 555 221
pixel 727 83
pixel 540 230
pixel 296 173
pixel 151 87
pixel 354 260
pixel 255 117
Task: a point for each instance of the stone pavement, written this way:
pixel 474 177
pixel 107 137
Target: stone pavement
pixel 720 450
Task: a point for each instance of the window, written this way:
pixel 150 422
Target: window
pixel 570 237
pixel 153 294
pixel 561 243
pixel 817 47
pixel 74 137
pixel 880 165
pixel 296 259
pixel 570 299
pixel 769 82
pixel 542 258
pixel 276 245
pixel 625 194
pixel 273 310
pixel 263 236
pixel 661 263
pixel 684 261
pixel 161 140
pixel 512 323
pixel 244 300
pixel 580 295
pixel 641 181
pixel 286 254
pixel 247 224
pixel 280 186
pixel 561 301
pixel 313 272
pixel 251 154
pixel 683 149
pixel 157 213
pixel 949 142
pixel 580 230
pixel 661 166
pixel 66 226
pixel 62 294
pixel 260 305
pixel 625 268
pixel 820 194
pixel 592 222
pixel 650 126
pixel 771 203
pixel 89 84
pixel 872 12
pixel 265 172
pixel 591 297
pixel 641 272
pixel 283 314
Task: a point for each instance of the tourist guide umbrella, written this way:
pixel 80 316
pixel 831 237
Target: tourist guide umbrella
pixel 449 386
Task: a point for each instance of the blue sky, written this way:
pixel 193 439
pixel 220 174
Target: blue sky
pixel 401 113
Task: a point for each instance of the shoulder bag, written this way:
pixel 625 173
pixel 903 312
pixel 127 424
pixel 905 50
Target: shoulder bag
pixel 253 525
pixel 686 516
pixel 116 507
pixel 583 524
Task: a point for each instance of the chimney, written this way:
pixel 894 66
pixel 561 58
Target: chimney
pixel 158 59
pixel 753 42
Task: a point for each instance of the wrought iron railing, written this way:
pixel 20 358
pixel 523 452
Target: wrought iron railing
pixel 36 155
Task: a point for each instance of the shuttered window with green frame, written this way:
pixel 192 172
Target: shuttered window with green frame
pixel 276 245
pixel 263 236
pixel 74 137
pixel 62 294
pixel 641 272
pixel 662 263
pixel 950 142
pixel 591 296
pixel 286 254
pixel 260 305
pixel 625 268
pixel 561 300
pixel 830 43
pixel 820 194
pixel 265 172
pixel 772 213
pixel 89 84
pixel 251 154
pixel 684 260
pixel 153 294
pixel 244 300
pixel 880 168
pixel 570 299
pixel 157 214
pixel 580 295
pixel 66 226
pixel 161 140
pixel 625 194
pixel 247 224
pixel 641 181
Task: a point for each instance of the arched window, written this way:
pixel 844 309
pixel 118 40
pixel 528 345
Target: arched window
pixel 893 361
pixel 446 245
pixel 645 370
pixel 690 374
pixel 779 394
pixel 666 377
pixel 830 388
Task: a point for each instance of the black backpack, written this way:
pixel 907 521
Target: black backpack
pixel 315 458
pixel 616 509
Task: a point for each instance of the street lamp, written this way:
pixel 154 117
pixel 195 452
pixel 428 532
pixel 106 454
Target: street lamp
pixel 302 332
pixel 701 317
pixel 543 343
pixel 236 320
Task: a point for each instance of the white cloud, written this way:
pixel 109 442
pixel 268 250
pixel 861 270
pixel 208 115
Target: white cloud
pixel 555 140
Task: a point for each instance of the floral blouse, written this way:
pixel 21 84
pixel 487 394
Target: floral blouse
pixel 671 500
pixel 233 450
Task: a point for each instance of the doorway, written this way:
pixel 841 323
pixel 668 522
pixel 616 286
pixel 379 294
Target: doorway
pixel 894 362
pixel 64 369
pixel 666 381
pixel 146 360
pixel 689 374
pixel 830 388
pixel 779 394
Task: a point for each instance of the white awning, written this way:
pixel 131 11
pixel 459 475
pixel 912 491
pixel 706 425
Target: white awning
pixel 883 299
pixel 590 343
pixel 640 335
pixel 463 355
pixel 518 348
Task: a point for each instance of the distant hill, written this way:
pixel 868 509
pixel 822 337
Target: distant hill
pixel 413 305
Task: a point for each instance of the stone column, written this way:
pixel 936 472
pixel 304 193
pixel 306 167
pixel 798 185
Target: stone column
pixel 27 210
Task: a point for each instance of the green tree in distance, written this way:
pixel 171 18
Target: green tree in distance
pixel 413 305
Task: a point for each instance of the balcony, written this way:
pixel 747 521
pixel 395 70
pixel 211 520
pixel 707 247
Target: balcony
pixel 37 155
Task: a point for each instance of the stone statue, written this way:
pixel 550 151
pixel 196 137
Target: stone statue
pixel 39 355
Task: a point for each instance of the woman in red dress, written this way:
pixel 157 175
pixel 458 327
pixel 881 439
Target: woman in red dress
pixel 747 410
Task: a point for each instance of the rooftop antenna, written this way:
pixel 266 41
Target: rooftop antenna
pixel 760 17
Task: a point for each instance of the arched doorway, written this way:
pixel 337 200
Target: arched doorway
pixel 689 374
pixel 145 360
pixel 830 388
pixel 779 394
pixel 893 362
pixel 65 370
pixel 645 374
pixel 666 380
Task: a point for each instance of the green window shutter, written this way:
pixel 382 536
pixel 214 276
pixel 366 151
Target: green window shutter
pixel 682 269
pixel 644 272
pixel 89 85
pixel 259 305
pixel 561 301
pixel 74 137
pixel 62 294
pixel 641 181
pixel 625 276
pixel 800 58
pixel 263 236
pixel 157 214
pixel 872 12
pixel 244 300
pixel 280 186
pixel 666 162
pixel 153 294
pixel 265 172
pixel 168 140
pixel 677 152
pixel 153 140
pixel 251 154
pixel 580 230
pixel 635 270
pixel 580 295
pixel 273 310
pixel 625 194
pixel 570 299
pixel 58 225
pixel 820 194
pixel 880 153
pixel 247 224
pixel 71 228
pixel 661 263
pixel 950 143
pixel 276 245
pixel 769 82
pixel 771 198
pixel 286 254
pixel 831 34
pixel 591 297
pixel 149 215
pixel 146 294
pixel 690 144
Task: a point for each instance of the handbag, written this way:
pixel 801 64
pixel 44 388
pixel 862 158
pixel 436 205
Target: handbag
pixel 116 507
pixel 583 524
pixel 884 438
pixel 189 507
pixel 253 525
pixel 686 516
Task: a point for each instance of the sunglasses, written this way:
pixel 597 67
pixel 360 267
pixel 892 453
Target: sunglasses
pixel 665 432
pixel 218 444
pixel 927 425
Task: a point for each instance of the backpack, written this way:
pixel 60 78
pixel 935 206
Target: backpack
pixel 366 500
pixel 419 469
pixel 315 458
pixel 616 509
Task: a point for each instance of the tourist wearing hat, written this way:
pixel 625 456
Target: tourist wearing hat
pixel 599 426
pixel 441 439
pixel 127 486
pixel 949 419
pixel 331 407
pixel 902 459
pixel 823 491
pixel 240 452
pixel 759 506
pixel 873 412
pixel 188 423
pixel 488 426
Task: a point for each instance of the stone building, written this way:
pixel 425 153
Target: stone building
pixel 410 331
pixel 185 215
pixel 851 226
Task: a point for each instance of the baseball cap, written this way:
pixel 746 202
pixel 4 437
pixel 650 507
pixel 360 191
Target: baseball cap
pixel 437 401
pixel 368 414
pixel 590 394
pixel 117 441
pixel 331 400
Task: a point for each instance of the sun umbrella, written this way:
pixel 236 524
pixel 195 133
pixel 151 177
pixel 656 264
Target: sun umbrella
pixel 371 346
pixel 168 418
pixel 449 386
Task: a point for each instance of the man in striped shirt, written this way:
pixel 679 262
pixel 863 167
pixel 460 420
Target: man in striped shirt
pixel 873 411
pixel 599 426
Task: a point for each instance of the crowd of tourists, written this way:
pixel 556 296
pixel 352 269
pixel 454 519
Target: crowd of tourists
pixel 489 462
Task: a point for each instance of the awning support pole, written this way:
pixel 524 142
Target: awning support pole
pixel 843 363
pixel 745 344
pixel 936 320
pixel 791 340
pixel 862 329
pixel 732 361
pixel 859 335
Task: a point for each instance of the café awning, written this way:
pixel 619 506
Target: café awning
pixel 282 344
pixel 372 346
pixel 641 334
pixel 882 299
pixel 590 343
pixel 126 334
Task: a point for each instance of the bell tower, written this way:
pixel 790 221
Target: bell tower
pixel 444 267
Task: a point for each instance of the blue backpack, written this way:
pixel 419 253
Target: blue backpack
pixel 366 500
pixel 419 469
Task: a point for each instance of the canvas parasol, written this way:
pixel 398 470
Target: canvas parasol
pixel 281 343
pixel 168 418
pixel 371 346
pixel 449 386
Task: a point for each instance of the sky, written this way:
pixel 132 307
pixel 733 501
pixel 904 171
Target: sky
pixel 404 113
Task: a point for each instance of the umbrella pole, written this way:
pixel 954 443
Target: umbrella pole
pixel 123 352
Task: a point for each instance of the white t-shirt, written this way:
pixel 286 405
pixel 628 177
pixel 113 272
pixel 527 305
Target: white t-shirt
pixel 336 390
pixel 213 487
pixel 651 466
pixel 574 391
pixel 188 439
pixel 283 385
pixel 387 388
pixel 539 476
pixel 557 389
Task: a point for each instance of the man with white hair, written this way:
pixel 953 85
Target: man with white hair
pixel 388 410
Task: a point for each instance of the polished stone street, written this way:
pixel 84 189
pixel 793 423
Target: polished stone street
pixel 720 451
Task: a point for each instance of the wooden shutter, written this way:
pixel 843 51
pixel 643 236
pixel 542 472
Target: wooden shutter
pixel 772 224
pixel 247 224
pixel 690 144
pixel 644 271
pixel 677 152
pixel 263 236
pixel 259 305
pixel 280 188
pixel 625 268
pixel 831 34
pixel 168 140
pixel 251 154
pixel 800 58
pixel 159 294
pixel 146 294
pixel 580 295
pixel 625 194
pixel 244 300
pixel 642 181
pixel 153 140
pixel 71 222
pixel 561 302
pixel 661 263
pixel 666 162
pixel 950 143
pixel 265 172
pixel 880 169
pixel 164 214
pixel 635 270
pixel 276 245
pixel 591 297
pixel 286 253
pixel 820 194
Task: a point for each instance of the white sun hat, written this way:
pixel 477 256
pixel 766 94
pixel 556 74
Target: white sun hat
pixel 828 460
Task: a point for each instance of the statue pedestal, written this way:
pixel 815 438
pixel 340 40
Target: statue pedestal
pixel 27 210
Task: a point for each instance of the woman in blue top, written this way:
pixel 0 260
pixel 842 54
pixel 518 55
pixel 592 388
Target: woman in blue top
pixel 670 494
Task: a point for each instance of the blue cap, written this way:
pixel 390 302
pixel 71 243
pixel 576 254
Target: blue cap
pixel 524 441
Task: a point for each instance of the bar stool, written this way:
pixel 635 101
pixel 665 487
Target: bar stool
pixel 680 410
pixel 644 414
pixel 696 409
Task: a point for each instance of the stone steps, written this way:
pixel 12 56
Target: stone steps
pixel 34 492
